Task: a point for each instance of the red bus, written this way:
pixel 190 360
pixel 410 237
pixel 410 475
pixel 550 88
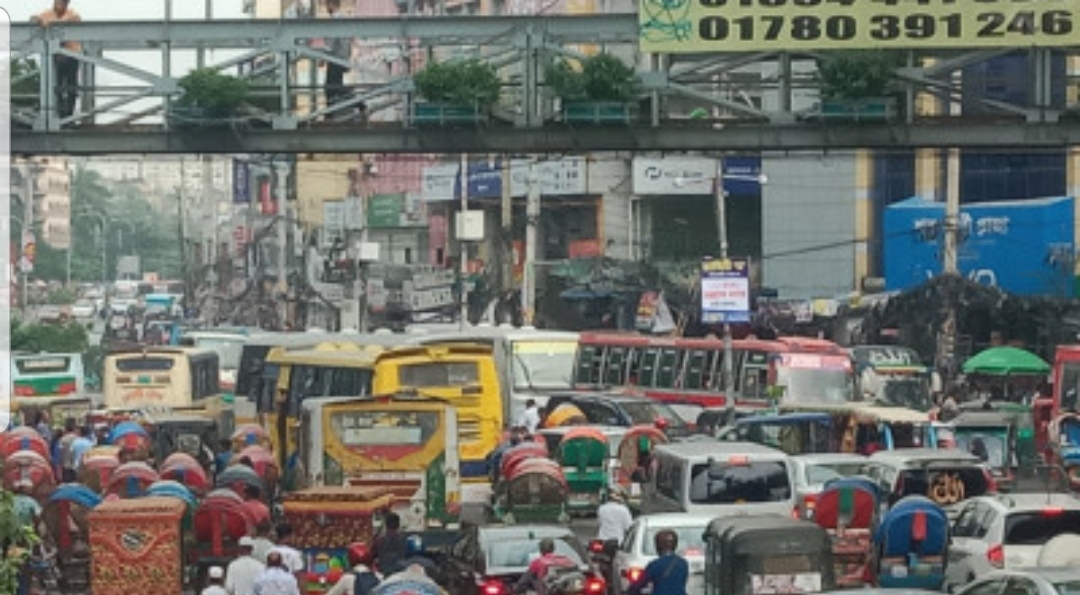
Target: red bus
pixel 691 370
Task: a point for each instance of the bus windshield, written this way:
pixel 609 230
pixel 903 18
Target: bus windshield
pixel 906 391
pixel 543 364
pixel 228 350
pixel 439 374
pixel 828 385
pixel 384 428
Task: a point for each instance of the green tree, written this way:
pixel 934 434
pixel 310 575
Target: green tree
pixel 51 338
pixel 16 540
pixel 25 81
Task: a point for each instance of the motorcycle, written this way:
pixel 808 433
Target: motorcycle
pixel 571 580
pixel 602 556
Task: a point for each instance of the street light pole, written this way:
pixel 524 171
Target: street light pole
pixel 729 351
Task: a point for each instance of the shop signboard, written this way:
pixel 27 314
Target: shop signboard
pixel 1024 247
pixel 333 219
pixel 725 290
pixel 686 176
pixel 241 182
pixel 385 210
pixel 557 177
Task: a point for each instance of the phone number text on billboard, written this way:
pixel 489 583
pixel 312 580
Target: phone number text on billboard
pixel 680 26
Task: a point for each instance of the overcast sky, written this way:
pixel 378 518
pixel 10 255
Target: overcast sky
pixel 136 10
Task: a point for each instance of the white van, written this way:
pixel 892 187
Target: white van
pixel 721 479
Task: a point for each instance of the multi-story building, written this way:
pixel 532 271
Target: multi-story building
pixel 51 197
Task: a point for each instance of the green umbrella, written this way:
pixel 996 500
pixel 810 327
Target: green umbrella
pixel 1005 361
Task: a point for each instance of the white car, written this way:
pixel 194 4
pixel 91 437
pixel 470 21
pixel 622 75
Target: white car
pixel 638 548
pixel 1034 581
pixel 83 309
pixel 1006 532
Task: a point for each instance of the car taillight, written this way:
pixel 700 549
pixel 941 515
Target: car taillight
pixel 596 546
pixel 493 588
pixel 633 574
pixel 1053 511
pixel 991 484
pixel 809 504
pixel 996 556
pixel 595 586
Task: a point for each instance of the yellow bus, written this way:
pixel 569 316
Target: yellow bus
pixel 177 378
pixel 327 370
pixel 463 375
pixel 406 444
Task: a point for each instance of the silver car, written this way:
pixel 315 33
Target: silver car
pixel 1006 532
pixel 1033 581
pixel 638 548
pixel 813 471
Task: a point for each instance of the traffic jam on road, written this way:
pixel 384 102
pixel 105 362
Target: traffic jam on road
pixel 498 460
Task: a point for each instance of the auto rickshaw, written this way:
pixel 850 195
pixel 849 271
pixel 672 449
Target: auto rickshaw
pixel 98 466
pixel 184 469
pixel 189 434
pixel 848 510
pixel 131 480
pixel 1023 420
pixel 992 437
pixel 22 438
pixel 911 546
pixel 764 555
pixel 27 465
pixel 583 455
pixel 532 490
pixel 65 516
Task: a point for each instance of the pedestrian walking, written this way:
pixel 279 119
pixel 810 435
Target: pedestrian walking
pixel 530 418
pixel 362 579
pixel 277 579
pixel 388 550
pixel 292 557
pixel 242 572
pixel 65 67
pixel 217 582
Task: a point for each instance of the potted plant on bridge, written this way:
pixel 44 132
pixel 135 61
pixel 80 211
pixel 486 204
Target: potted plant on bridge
pixel 602 90
pixel 208 98
pixel 856 85
pixel 455 92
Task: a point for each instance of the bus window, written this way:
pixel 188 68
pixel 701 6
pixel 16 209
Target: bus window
pixel 590 360
pixel 697 363
pixel 615 367
pixel 647 366
pixel 1070 387
pixel 667 368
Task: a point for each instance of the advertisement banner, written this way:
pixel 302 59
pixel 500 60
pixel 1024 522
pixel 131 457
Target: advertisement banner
pixel 1024 247
pixel 812 25
pixel 562 177
pixel 241 182
pixel 333 220
pixel 354 213
pixel 267 204
pixel 725 290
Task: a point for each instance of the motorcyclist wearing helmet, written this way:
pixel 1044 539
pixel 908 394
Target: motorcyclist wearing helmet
pixel 535 577
pixel 362 580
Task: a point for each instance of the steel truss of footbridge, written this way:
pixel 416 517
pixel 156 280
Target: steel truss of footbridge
pixel 695 102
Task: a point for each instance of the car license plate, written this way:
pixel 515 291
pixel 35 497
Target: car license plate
pixel 584 499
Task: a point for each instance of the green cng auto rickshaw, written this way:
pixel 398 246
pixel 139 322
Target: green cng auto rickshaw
pixel 991 436
pixel 764 555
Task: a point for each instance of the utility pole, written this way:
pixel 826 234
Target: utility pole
pixel 532 218
pixel 463 266
pixel 506 271
pixel 282 171
pixel 27 225
pixel 182 228
pixel 729 352
pixel 950 248
pixel 209 206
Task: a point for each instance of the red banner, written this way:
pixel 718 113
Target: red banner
pixel 585 249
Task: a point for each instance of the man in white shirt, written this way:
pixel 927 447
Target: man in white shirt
pixel 290 556
pixel 217 578
pixel 276 579
pixel 530 418
pixel 242 572
pixel 614 518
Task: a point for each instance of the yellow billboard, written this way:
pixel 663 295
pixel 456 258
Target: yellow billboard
pixel 691 26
